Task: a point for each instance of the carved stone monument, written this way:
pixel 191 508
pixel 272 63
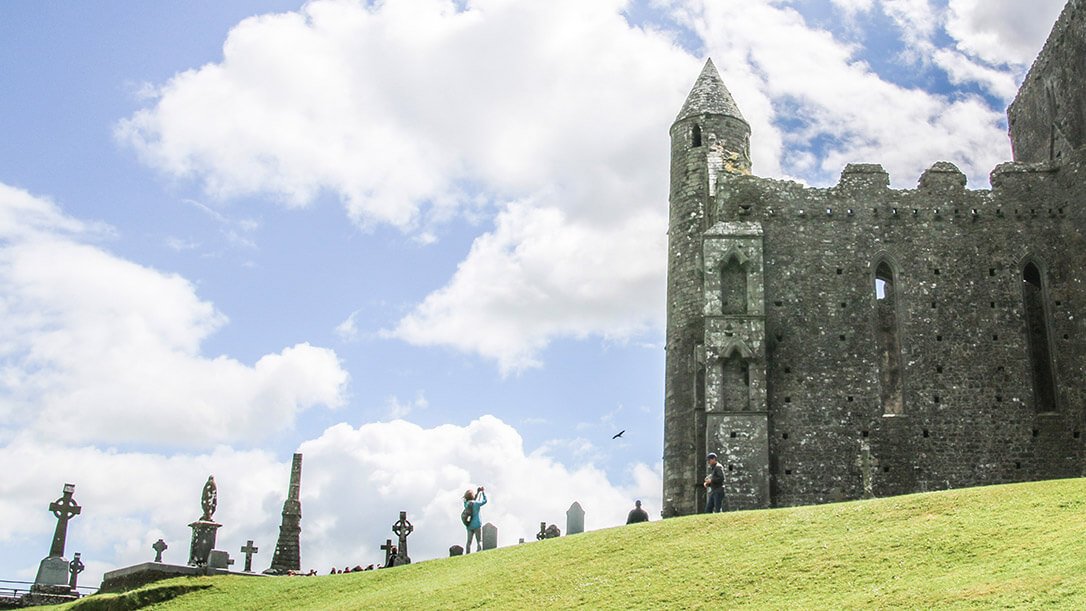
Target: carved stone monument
pixel 249 550
pixel 159 547
pixel 204 530
pixel 552 532
pixel 75 567
pixel 390 553
pixel 53 570
pixel 402 529
pixel 542 534
pixel 489 534
pixel 574 519
pixel 456 550
pixel 288 554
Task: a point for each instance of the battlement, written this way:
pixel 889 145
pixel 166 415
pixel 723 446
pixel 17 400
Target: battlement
pixel 863 194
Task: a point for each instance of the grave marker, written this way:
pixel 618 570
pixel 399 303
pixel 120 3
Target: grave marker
pixel 249 550
pixel 574 519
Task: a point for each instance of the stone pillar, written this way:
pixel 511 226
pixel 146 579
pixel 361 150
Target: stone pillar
pixel 204 533
pixel 288 554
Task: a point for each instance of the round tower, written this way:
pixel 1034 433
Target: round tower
pixel 708 138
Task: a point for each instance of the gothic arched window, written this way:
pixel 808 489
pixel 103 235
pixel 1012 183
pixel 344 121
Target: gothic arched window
pixel 1037 334
pixel 695 135
pixel 888 340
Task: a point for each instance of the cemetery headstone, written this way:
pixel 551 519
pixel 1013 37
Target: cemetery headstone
pixel 288 554
pixel 521 542
pixel 249 550
pixel 204 530
pixel 402 528
pixel 389 550
pixel 456 550
pixel 574 519
pixel 75 567
pixel 542 534
pixel 159 547
pixel 219 559
pixel 867 466
pixel 53 570
pixel 489 534
pixel 553 532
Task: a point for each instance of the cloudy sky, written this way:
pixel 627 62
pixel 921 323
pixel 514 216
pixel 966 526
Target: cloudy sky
pixel 420 241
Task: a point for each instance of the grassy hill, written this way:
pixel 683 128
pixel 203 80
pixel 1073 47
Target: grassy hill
pixel 1020 545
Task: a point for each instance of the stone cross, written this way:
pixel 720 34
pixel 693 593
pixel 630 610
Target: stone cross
pixel 402 528
pixel 574 519
pixel 159 547
pixel 388 547
pixel 75 567
pixel 542 534
pixel 249 550
pixel 867 465
pixel 65 508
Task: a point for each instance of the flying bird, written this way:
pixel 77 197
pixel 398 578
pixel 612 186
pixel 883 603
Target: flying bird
pixel 619 434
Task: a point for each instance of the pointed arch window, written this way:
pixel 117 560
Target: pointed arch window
pixel 735 383
pixel 695 136
pixel 1037 337
pixel 888 339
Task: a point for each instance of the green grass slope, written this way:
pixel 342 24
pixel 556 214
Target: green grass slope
pixel 1020 545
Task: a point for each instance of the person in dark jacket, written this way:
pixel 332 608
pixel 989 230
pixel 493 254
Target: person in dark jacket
pixel 476 500
pixel 714 486
pixel 637 514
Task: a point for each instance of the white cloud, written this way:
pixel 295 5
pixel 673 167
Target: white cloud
pixel 348 329
pixel 355 481
pixel 538 276
pixel 1002 31
pixel 91 344
pixel 960 69
pixel 397 409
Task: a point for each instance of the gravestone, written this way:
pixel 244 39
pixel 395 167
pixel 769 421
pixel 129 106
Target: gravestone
pixel 552 532
pixel 521 542
pixel 867 465
pixel 53 570
pixel 402 528
pixel 288 554
pixel 490 536
pixel 456 550
pixel 159 547
pixel 542 534
pixel 219 559
pixel 204 530
pixel 574 519
pixel 389 550
pixel 249 550
pixel 75 567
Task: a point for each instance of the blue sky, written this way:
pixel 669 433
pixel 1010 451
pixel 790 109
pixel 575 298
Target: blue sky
pixel 423 242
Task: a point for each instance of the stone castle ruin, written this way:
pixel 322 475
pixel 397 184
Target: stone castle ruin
pixel 827 340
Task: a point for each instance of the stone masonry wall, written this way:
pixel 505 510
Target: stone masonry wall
pixel 957 255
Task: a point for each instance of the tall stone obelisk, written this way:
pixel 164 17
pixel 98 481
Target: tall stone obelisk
pixel 288 552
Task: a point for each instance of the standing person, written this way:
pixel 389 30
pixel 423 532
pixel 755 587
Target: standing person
pixel 637 514
pixel 473 524
pixel 714 486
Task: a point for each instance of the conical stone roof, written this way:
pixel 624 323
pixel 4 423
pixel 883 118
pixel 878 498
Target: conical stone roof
pixel 709 96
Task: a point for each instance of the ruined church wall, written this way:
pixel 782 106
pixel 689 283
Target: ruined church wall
pixel 969 415
pixel 1048 117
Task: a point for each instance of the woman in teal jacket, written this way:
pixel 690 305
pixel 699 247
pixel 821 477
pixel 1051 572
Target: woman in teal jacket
pixel 475 524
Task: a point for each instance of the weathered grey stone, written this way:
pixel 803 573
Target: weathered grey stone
pixel 75 567
pixel 248 549
pixel 159 547
pixel 456 550
pixel 288 550
pixel 489 535
pixel 574 519
pixel 219 559
pixel 402 528
pixel 939 325
pixel 204 530
pixel 53 570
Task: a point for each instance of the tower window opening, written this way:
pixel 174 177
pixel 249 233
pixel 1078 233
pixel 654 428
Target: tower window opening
pixel 695 136
pixel 733 288
pixel 1037 332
